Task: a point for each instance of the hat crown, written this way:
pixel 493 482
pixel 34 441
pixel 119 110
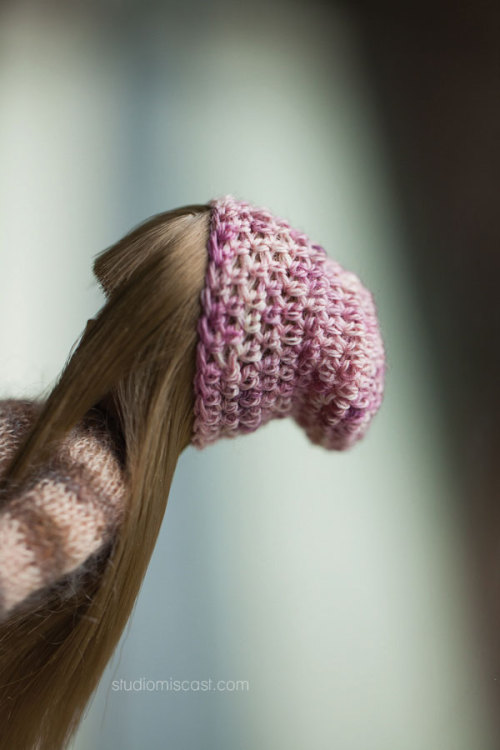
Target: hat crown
pixel 284 331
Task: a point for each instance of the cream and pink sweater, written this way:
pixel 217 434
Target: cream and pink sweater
pixel 63 513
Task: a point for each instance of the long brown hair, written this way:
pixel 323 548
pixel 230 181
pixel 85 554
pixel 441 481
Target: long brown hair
pixel 137 360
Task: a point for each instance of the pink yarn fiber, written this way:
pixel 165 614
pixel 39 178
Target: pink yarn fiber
pixel 284 331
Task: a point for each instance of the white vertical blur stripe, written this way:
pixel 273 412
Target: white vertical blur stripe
pixel 332 582
pixel 60 153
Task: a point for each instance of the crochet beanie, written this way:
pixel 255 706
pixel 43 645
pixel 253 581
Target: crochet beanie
pixel 284 331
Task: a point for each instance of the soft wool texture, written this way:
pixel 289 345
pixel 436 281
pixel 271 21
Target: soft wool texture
pixel 285 331
pixel 65 513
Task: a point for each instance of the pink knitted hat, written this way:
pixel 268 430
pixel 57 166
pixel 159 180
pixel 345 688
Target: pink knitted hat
pixel 284 331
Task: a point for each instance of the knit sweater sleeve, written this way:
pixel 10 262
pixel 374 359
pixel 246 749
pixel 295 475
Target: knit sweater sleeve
pixel 64 512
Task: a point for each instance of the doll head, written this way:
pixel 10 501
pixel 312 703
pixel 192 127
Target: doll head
pixel 282 330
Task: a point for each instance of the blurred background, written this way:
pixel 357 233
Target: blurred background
pixel 355 595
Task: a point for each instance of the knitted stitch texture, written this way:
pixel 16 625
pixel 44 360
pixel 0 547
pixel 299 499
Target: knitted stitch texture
pixel 284 331
pixel 64 513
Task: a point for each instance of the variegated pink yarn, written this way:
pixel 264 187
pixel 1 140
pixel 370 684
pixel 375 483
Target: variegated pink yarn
pixel 284 331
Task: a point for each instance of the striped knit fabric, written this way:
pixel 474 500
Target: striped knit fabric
pixel 284 331
pixel 64 513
